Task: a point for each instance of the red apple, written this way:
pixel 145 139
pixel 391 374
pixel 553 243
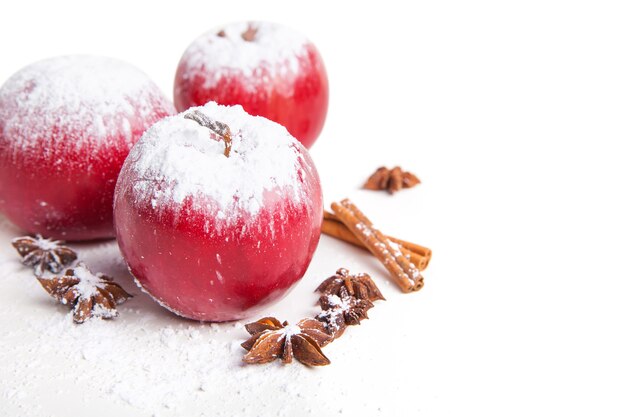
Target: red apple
pixel 271 70
pixel 66 126
pixel 216 229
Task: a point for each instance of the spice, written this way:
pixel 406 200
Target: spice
pixel 359 286
pixel 391 180
pixel 393 257
pixel 271 340
pixel 87 294
pixel 342 310
pixel 417 254
pixel 44 254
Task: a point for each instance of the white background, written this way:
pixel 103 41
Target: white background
pixel 512 114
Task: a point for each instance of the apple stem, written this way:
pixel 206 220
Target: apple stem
pixel 220 129
pixel 250 34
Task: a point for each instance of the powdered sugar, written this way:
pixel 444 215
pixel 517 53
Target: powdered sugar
pixel 89 282
pixel 178 158
pixel 290 330
pixel 85 97
pixel 149 362
pixel 274 49
pixel 338 307
pixel 331 317
pixel 47 244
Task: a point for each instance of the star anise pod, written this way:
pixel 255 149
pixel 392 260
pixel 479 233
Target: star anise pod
pixel 43 254
pixel 88 294
pixel 342 310
pixel 359 286
pixel 271 340
pixel 391 180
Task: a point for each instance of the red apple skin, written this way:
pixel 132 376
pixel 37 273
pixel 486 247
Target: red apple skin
pixel 68 204
pixel 303 113
pixel 173 253
pixel 62 191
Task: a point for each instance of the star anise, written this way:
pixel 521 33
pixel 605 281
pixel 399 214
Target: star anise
pixel 391 180
pixel 359 286
pixel 43 254
pixel 342 310
pixel 270 340
pixel 88 294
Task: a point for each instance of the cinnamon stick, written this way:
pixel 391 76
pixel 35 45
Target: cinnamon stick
pixel 405 273
pixel 413 247
pixel 337 230
pixel 330 216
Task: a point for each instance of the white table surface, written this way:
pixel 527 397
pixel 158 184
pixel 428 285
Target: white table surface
pixel 513 117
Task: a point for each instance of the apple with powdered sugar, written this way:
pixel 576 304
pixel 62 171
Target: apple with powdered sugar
pixel 218 212
pixel 271 70
pixel 66 126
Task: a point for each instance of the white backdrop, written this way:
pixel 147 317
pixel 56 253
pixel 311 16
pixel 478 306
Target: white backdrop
pixel 511 113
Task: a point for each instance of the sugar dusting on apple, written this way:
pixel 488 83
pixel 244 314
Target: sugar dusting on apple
pixel 84 95
pixel 181 156
pixel 269 69
pixel 215 237
pixel 275 48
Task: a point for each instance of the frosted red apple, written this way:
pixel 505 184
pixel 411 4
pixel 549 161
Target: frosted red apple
pixel 214 237
pixel 66 126
pixel 270 70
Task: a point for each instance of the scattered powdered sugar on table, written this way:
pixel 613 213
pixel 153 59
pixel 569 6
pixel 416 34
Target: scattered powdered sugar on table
pixel 148 362
pixel 275 48
pixel 87 97
pixel 178 158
